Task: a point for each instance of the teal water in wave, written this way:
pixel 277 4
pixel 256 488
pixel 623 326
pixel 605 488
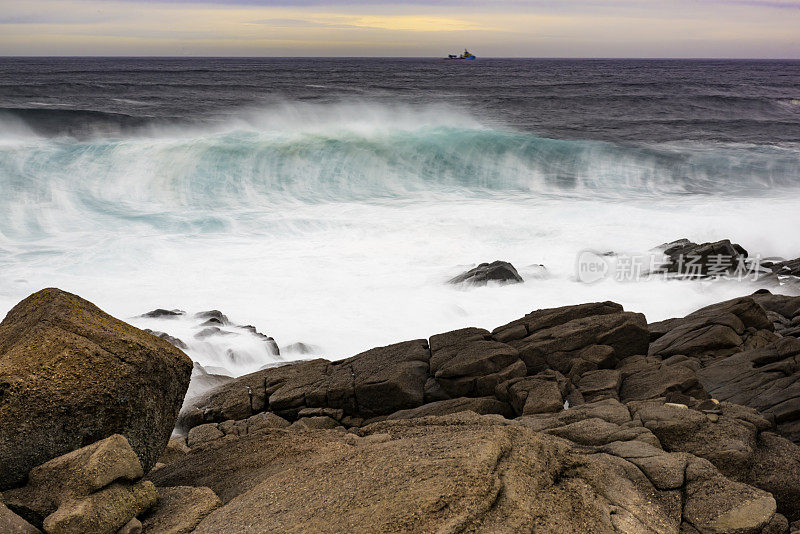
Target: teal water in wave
pixel 335 220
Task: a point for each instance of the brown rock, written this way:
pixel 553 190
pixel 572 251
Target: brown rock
pixel 73 476
pixel 180 509
pixel 11 523
pixel 103 512
pixel 71 375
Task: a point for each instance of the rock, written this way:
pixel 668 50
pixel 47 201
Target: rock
pixel 766 379
pixel 785 268
pixel 134 526
pixel 782 310
pixel 74 476
pixel 317 422
pixel 264 421
pixel 215 317
pixel 716 331
pixel 600 384
pixel 180 509
pixel 71 375
pixel 648 378
pixel 106 511
pixel 173 340
pixel 163 314
pixel 300 348
pixel 707 259
pixel 377 382
pixel 203 434
pixel 775 467
pixel 467 363
pixel 11 523
pixel 203 381
pixel 481 405
pixel 497 271
pixel 479 475
pixel 588 336
pixel 537 394
pixel 176 449
pixel 715 504
pixel 213 331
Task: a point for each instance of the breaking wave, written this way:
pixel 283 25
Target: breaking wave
pixel 169 176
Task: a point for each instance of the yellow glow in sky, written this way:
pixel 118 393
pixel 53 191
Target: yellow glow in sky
pixel 504 28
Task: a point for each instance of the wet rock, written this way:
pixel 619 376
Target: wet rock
pixel 163 314
pixel 497 271
pixel 163 335
pixel 705 259
pixel 300 348
pixel 71 374
pixel 215 317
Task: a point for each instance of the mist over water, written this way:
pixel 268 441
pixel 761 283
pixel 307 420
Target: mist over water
pixel 337 221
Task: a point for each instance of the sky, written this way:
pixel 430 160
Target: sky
pixel 489 28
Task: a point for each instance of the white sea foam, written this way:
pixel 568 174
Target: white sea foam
pixel 338 225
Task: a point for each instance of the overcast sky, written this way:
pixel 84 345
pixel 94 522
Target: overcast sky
pixel 496 28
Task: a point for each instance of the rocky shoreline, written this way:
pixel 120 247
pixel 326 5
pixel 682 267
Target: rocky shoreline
pixel 582 418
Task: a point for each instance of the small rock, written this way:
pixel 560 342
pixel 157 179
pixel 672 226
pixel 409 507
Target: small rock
pixel 217 316
pixel 163 314
pixel 497 271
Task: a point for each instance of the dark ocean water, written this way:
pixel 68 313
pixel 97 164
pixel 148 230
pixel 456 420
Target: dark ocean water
pixel 613 100
pixel 327 201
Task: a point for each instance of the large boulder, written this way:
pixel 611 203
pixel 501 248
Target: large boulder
pixel 71 375
pixel 466 473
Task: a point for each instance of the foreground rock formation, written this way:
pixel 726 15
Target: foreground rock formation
pixel 71 374
pixel 575 419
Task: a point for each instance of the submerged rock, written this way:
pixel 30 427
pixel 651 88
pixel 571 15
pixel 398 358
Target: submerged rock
pixel 71 374
pixel 497 271
pixel 706 259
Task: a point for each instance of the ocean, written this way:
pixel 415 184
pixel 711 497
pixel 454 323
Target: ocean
pixel 328 201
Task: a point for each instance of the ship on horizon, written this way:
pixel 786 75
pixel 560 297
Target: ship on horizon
pixel 465 55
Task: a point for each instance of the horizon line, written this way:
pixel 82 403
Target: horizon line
pixel 585 58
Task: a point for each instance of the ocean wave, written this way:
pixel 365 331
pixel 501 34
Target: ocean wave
pixel 269 159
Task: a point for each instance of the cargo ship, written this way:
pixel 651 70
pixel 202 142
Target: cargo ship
pixel 465 55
